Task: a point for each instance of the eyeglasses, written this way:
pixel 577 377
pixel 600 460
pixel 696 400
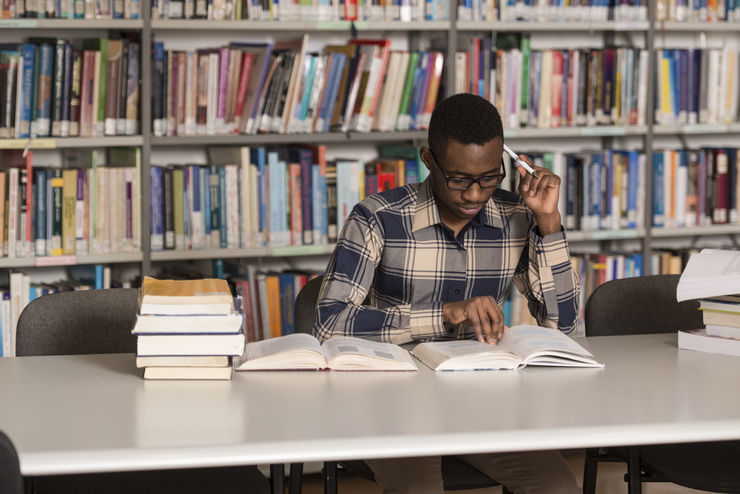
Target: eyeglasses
pixel 460 183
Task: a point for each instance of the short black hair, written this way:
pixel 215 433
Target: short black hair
pixel 465 118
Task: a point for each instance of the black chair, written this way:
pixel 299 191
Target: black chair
pixel 644 305
pixel 100 321
pixel 11 480
pixel 456 474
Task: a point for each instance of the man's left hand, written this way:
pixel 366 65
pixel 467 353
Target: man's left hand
pixel 541 196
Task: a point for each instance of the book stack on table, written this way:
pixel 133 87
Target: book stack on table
pixel 713 277
pixel 188 329
pixel 721 316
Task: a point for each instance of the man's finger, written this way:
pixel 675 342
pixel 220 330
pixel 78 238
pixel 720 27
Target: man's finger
pixel 485 322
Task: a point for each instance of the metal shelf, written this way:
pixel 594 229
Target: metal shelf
pixel 595 131
pixel 45 261
pixel 696 231
pixel 287 251
pixel 72 142
pixel 695 129
pixel 598 235
pixel 294 26
pixel 552 26
pixel 718 27
pixel 76 24
pixel 261 139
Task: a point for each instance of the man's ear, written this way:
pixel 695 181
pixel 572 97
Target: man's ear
pixel 426 157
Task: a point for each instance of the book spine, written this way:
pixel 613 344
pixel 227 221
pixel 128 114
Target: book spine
pixel 156 213
pixel 307 195
pixel 80 216
pixel 44 90
pixel 113 73
pixel 69 210
pixel 40 212
pixel 168 208
pixel 56 109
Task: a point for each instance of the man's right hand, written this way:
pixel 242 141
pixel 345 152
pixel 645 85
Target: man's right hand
pixel 483 313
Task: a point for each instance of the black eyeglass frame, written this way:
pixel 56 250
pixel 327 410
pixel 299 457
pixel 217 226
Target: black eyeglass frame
pixel 470 181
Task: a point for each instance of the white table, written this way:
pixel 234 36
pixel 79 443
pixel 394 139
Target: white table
pixel 76 414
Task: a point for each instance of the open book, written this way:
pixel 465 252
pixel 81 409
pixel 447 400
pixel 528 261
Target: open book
pixel 710 273
pixel 303 351
pixel 521 345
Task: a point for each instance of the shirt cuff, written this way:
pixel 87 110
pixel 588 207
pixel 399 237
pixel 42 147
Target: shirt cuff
pixel 552 249
pixel 425 320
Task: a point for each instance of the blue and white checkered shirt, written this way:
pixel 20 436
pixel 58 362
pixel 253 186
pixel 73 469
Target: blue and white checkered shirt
pixel 395 248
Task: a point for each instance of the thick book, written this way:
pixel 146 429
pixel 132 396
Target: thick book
pixel 183 361
pixel 202 296
pixel 303 351
pixel 206 373
pixel 710 273
pixel 521 346
pixel 698 340
pixel 190 344
pixel 189 324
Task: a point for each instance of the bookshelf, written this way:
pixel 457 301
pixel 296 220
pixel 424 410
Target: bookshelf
pixel 601 136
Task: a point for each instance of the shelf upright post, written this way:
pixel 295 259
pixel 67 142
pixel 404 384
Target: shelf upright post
pixel 146 134
pixel 451 50
pixel 647 247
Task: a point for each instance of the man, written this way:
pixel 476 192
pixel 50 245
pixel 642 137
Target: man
pixel 437 260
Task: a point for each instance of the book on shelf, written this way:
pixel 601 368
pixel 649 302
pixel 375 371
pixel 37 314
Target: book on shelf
pixel 699 340
pixel 303 351
pixel 191 373
pixel 710 273
pixel 521 346
pixel 52 88
pixel 192 297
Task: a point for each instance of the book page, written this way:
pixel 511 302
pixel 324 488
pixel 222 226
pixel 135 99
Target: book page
pixel 465 355
pixel 544 346
pixel 348 353
pixel 295 351
pixel 709 273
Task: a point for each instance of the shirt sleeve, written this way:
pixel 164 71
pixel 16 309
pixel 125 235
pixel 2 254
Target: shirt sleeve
pixel 546 277
pixel 342 309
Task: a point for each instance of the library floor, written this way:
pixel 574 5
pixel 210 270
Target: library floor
pixel 609 481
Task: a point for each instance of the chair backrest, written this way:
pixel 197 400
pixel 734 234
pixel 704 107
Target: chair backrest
pixel 81 322
pixel 305 305
pixel 11 480
pixel 645 304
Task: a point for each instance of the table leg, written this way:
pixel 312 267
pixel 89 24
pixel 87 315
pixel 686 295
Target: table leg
pixel 277 478
pixel 633 471
pixel 330 477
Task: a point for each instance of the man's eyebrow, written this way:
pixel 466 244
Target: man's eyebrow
pixel 494 171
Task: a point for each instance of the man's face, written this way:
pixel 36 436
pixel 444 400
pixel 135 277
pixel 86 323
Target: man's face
pixel 458 207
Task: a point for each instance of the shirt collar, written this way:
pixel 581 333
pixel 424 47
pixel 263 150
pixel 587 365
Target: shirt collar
pixel 426 212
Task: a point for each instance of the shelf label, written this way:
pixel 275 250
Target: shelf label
pixel 21 143
pixel 602 131
pixel 56 260
pixel 18 23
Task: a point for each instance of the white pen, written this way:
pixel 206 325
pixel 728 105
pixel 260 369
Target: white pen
pixel 521 162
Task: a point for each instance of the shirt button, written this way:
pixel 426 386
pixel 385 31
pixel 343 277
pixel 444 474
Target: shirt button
pixel 457 290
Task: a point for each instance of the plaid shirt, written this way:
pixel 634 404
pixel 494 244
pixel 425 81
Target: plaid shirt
pixel 395 248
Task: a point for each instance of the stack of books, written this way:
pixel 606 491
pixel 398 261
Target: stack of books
pixel 721 316
pixel 713 277
pixel 188 329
